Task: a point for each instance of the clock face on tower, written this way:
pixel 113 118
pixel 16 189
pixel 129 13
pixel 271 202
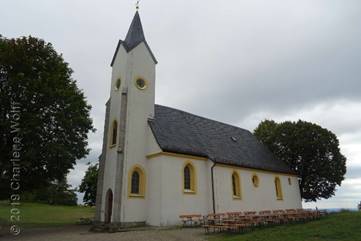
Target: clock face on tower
pixel 141 84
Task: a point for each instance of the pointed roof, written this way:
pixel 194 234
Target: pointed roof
pixel 135 33
pixel 134 37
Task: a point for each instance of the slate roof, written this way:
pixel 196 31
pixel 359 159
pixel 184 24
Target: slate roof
pixel 134 37
pixel 181 132
pixel 135 33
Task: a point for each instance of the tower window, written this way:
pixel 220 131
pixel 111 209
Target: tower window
pixel 236 187
pixel 141 84
pixel 255 180
pixel 136 182
pixel 278 189
pixel 289 181
pixel 117 84
pixel 189 179
pixel 114 133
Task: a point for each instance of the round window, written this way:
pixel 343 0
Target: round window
pixel 117 84
pixel 141 84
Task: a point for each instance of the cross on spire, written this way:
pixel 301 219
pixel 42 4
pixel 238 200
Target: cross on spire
pixel 137 5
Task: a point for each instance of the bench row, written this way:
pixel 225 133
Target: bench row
pixel 238 221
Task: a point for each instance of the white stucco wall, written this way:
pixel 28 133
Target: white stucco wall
pixel 152 145
pixel 254 198
pixel 138 63
pixel 154 195
pixel 167 200
pixel 172 198
pixel 140 108
pixel 118 71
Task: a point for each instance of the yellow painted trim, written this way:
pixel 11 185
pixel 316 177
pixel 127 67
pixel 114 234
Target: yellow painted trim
pixel 238 185
pixel 163 153
pixel 142 182
pixel 145 83
pixel 193 177
pixel 278 188
pixel 136 196
pixel 185 191
pixel 257 181
pixel 255 170
pixel 172 154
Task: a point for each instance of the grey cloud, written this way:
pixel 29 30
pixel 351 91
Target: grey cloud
pixel 238 58
pixel 92 157
pixel 255 66
pixel 346 196
pixel 353 172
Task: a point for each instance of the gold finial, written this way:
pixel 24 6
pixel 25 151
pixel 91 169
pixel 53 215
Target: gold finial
pixel 137 5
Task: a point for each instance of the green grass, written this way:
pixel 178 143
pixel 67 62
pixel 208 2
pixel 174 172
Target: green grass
pixel 345 226
pixel 43 215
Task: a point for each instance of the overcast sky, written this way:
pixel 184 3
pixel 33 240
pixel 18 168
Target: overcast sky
pixel 237 61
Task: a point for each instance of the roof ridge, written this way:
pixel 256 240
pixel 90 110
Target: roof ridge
pixel 205 118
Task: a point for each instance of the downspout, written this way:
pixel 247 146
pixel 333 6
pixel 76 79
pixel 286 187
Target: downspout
pixel 212 177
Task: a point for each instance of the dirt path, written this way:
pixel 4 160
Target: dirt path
pixel 80 233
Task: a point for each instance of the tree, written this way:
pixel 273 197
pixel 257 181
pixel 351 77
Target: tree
pixel 311 151
pixel 52 122
pixel 57 193
pixel 89 185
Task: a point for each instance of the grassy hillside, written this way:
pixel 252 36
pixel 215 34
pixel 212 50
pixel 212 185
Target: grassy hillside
pixel 345 226
pixel 35 214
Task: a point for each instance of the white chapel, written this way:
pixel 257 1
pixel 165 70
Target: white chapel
pixel 158 162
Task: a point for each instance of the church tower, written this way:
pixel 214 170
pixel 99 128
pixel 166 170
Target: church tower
pixel 128 109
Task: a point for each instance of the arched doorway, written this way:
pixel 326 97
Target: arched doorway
pixel 108 206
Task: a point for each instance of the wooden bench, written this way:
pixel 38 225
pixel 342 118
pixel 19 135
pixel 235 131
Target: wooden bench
pixel 292 215
pixel 248 220
pixel 266 217
pixel 191 220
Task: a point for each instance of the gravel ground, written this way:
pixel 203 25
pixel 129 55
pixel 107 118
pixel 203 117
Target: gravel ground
pixel 80 233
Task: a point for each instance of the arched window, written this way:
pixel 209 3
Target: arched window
pixel 189 179
pixel 117 84
pixel 236 185
pixel 255 180
pixel 114 133
pixel 278 188
pixel 136 182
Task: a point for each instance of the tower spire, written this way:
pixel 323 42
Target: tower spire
pixel 135 33
pixel 134 37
